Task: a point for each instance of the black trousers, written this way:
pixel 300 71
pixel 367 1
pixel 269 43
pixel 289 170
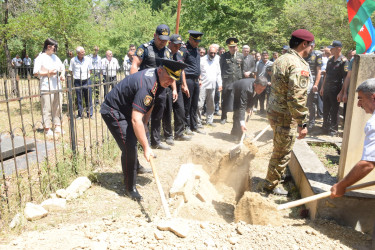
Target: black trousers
pixel 122 130
pixel 227 96
pixel 157 115
pixel 330 107
pixel 236 129
pixel 191 103
pixel 261 98
pixel 178 113
pixel 84 90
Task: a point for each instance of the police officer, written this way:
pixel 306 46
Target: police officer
pixel 314 60
pixel 336 70
pixel 146 57
pixel 244 93
pixel 192 73
pixel 127 109
pixel 286 108
pixel 231 64
pixel 177 105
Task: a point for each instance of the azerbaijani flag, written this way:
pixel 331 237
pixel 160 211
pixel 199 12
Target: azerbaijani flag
pixel 361 27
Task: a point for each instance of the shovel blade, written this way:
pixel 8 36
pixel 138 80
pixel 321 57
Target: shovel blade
pixel 235 151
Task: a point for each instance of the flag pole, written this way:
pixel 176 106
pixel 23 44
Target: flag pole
pixel 178 16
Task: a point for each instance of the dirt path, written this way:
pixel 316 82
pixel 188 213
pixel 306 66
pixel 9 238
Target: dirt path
pixel 103 218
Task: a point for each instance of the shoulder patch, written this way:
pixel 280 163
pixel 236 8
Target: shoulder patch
pixel 140 52
pixel 346 68
pixel 147 101
pixel 303 83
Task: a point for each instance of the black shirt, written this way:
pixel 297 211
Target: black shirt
pixel 148 53
pixel 137 91
pixel 192 58
pixel 336 71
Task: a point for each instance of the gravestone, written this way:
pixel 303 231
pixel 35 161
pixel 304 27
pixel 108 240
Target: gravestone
pixel 19 146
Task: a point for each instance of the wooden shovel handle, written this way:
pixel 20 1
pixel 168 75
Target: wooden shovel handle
pixel 321 196
pixel 261 133
pixel 160 189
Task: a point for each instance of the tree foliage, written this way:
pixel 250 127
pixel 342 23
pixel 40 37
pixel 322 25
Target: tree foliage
pixel 114 24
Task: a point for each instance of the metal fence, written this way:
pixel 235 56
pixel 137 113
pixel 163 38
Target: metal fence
pixel 35 163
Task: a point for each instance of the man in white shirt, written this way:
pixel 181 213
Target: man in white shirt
pixel 109 67
pixel 27 63
pixel 210 75
pixel 81 67
pixel 17 63
pixel 96 61
pixel 366 100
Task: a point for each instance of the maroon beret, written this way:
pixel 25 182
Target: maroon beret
pixel 304 35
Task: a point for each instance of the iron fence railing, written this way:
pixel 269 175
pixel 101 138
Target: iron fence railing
pixel 33 162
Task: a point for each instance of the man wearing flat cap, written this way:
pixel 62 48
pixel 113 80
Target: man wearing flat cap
pixel 336 70
pixel 127 109
pixel 192 73
pixel 231 64
pixel 146 57
pixel 287 109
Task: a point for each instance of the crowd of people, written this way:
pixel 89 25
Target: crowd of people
pixel 216 77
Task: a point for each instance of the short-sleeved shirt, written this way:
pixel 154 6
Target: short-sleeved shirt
pixel 350 66
pixel 314 60
pixel 44 63
pixel 368 153
pixel 290 80
pixel 193 60
pixel 336 71
pixel 81 69
pixel 148 53
pixel 261 68
pixel 27 61
pixel 137 91
pixel 17 62
pixel 96 62
pixel 110 67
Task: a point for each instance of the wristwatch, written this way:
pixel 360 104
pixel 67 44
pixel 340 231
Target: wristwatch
pixel 303 125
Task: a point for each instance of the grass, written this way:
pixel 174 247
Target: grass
pixel 329 155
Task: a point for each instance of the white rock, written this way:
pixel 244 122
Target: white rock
pixel 16 221
pixel 61 193
pixel 78 187
pixel 53 196
pixel 209 243
pixel 57 204
pixel 233 240
pixel 34 212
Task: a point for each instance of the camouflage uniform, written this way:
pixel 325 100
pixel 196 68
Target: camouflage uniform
pixel 286 109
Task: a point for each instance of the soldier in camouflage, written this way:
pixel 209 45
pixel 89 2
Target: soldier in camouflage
pixel 287 105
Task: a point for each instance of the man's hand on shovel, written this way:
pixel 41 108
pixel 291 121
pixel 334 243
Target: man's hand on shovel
pixel 148 153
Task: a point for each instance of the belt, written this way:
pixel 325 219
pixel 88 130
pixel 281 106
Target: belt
pixel 191 77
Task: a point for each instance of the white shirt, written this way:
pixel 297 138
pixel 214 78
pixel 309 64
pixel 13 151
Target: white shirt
pixel 81 69
pixel 17 62
pixel 45 62
pixel 27 61
pixel 127 65
pixel 368 153
pixel 110 67
pixel 96 62
pixel 210 72
pixel 324 63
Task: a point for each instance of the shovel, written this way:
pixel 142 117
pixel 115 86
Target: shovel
pixel 321 196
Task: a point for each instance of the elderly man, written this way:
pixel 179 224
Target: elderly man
pixel 147 56
pixel 109 68
pixel 127 109
pixel 248 63
pixel 231 64
pixel 210 75
pixel 366 100
pixel 16 64
pixel 81 67
pixel 287 109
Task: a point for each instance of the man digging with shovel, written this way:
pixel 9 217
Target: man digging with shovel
pixel 127 109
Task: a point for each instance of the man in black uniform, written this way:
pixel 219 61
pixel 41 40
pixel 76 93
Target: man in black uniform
pixel 146 57
pixel 231 64
pixel 192 73
pixel 127 109
pixel 244 93
pixel 337 67
pixel 177 105
pixel 314 60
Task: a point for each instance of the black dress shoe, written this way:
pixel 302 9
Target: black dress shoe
pixel 161 146
pixel 133 194
pixel 183 138
pixel 199 131
pixel 169 141
pixel 143 170
pixel 223 121
pixel 280 191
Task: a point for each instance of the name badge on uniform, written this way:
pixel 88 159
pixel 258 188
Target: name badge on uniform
pixel 305 73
